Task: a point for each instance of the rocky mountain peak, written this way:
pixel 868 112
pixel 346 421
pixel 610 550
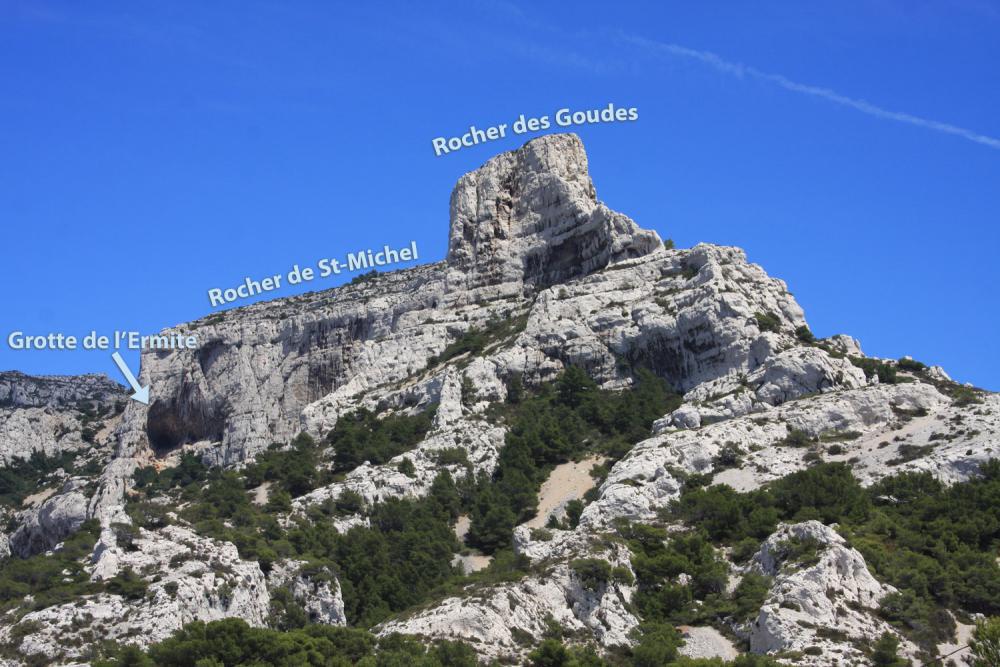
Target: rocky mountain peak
pixel 531 217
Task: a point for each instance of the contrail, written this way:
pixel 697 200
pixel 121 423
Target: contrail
pixel 740 70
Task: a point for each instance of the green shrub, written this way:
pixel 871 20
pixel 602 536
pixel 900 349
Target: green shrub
pixel 51 578
pixel 912 365
pixel 875 367
pixel 592 572
pixel 657 645
pixel 797 438
pixel 749 596
pixel 768 322
pixel 232 642
pixel 964 396
pixel 22 477
pixel 622 575
pixel 936 544
pixel 560 421
pixel 296 469
pixel 349 502
pixel 804 334
pixel 362 278
pixel 453 456
pixel 128 584
pixel 837 436
pixel 800 552
pixel 828 492
pixel 985 644
pixel 885 653
pixel 541 534
pixel 474 341
pixel 730 456
pixel 657 563
pixel 907 452
pixel 574 509
pixel 744 550
pixel 406 467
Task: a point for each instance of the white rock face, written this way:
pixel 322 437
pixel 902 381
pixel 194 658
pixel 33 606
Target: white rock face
pixel 376 483
pixel 801 371
pixel 56 519
pixel 525 220
pixel 531 216
pixel 651 475
pixel 827 604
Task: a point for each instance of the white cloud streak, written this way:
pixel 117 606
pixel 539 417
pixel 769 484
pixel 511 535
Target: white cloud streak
pixel 745 71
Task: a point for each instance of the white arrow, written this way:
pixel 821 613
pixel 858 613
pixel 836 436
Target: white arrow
pixel 141 393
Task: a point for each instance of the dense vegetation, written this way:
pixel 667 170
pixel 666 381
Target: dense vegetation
pixel 385 568
pixel 22 477
pixel 876 367
pixel 937 544
pixel 658 561
pixel 52 578
pixel 233 643
pixel 361 436
pixel 562 420
pixel 768 322
pixel 403 557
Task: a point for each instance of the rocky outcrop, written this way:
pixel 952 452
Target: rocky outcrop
pixel 54 414
pixel 531 217
pixel 57 518
pixel 185 577
pixel 822 598
pixel 375 483
pixel 258 368
pixel 881 430
pixel 504 621
pixel 317 591
pixel 63 424
pixel 18 390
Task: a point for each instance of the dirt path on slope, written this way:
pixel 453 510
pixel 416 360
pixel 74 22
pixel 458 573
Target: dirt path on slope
pixel 567 482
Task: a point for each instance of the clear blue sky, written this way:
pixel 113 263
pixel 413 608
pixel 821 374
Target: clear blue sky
pixel 150 151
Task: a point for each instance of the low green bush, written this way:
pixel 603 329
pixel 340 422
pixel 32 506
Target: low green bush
pixel 768 322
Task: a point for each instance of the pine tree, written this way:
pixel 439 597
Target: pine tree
pixel 886 652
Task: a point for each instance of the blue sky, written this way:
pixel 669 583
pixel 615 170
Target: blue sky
pixel 150 151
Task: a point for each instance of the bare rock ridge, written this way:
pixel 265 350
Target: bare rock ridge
pixel 532 216
pixel 18 390
pixel 524 220
pixel 42 414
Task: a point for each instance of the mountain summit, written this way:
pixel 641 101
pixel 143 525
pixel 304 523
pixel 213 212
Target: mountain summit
pixel 532 216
